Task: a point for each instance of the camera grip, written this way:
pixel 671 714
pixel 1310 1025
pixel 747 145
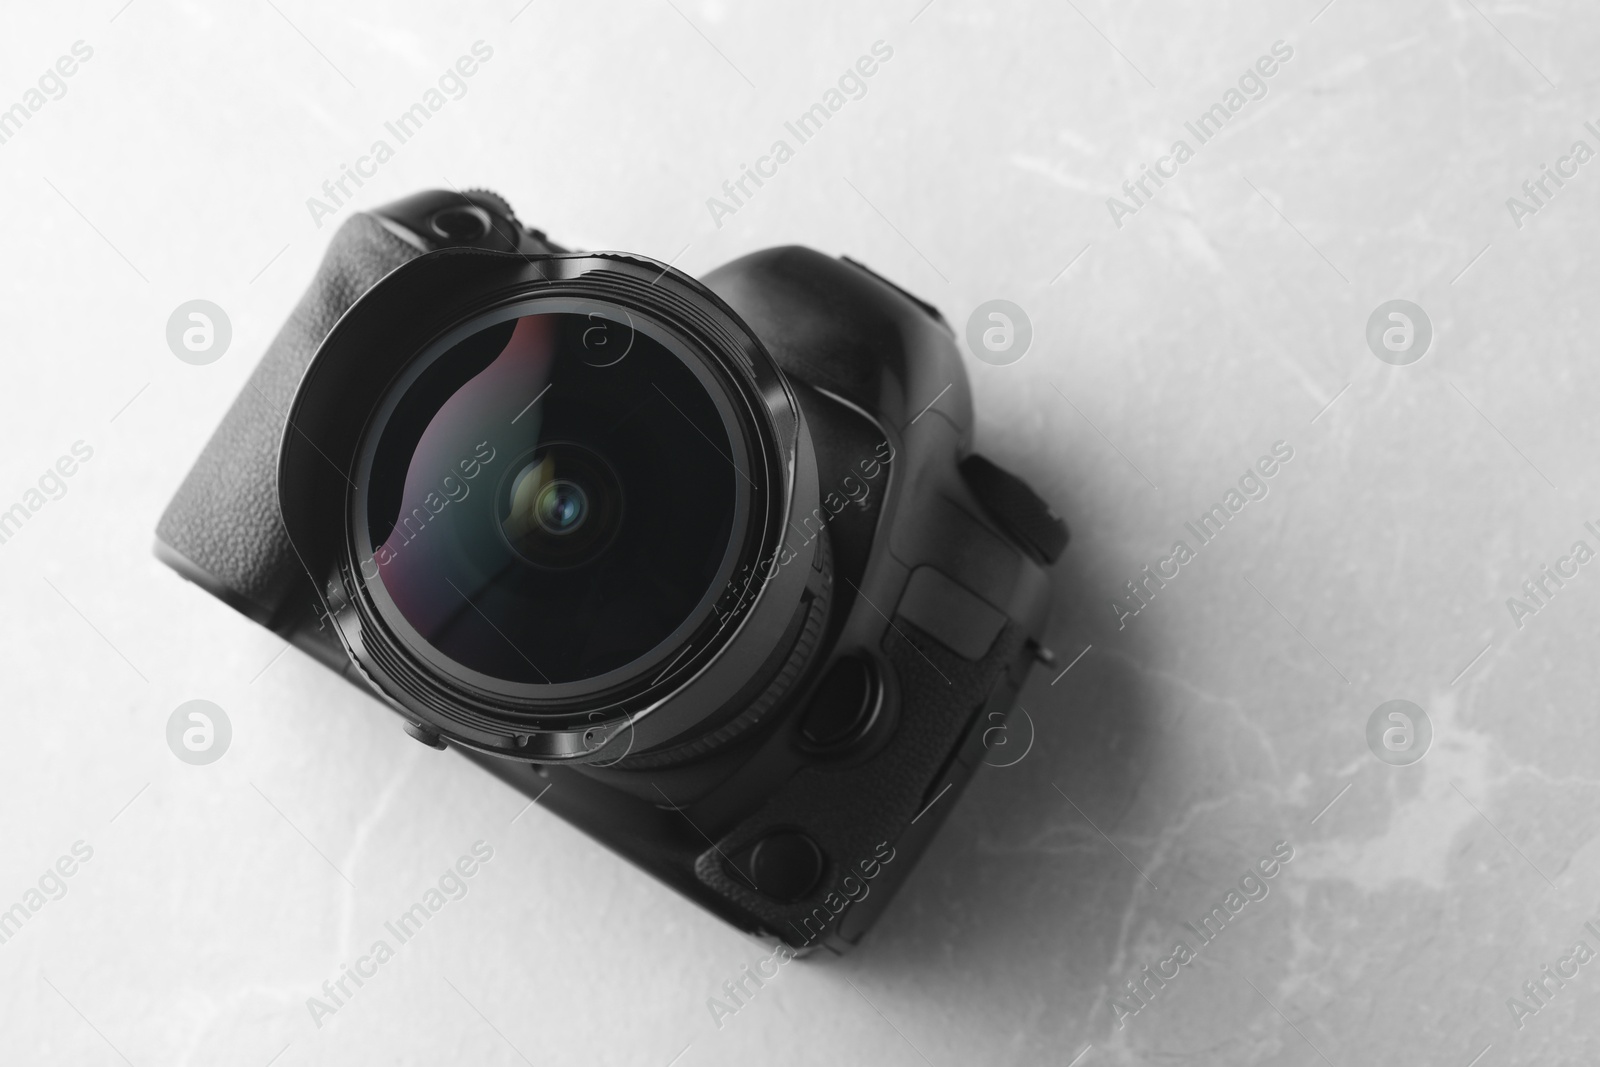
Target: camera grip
pixel 222 530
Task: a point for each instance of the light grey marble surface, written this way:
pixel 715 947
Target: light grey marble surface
pixel 1226 314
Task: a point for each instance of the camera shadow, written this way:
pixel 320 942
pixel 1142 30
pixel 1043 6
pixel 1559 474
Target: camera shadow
pixel 1029 888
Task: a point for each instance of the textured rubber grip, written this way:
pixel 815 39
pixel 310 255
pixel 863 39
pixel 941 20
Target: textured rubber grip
pixel 222 529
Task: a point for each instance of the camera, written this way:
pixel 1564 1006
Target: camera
pixel 707 567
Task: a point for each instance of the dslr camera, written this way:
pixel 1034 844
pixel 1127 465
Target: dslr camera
pixel 708 567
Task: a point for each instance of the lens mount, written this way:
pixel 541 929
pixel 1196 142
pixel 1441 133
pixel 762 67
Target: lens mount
pixel 545 500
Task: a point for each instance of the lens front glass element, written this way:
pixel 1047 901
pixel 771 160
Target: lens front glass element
pixel 550 497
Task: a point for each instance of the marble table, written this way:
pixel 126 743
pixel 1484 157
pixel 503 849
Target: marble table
pixel 1102 894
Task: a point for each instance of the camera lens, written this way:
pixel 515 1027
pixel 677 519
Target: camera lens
pixel 561 507
pixel 542 511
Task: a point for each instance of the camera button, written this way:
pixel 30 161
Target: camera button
pixel 950 613
pixel 786 865
pixel 842 705
pixel 460 223
pixel 426 734
pixel 1019 510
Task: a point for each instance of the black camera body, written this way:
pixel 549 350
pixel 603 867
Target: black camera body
pixel 709 568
